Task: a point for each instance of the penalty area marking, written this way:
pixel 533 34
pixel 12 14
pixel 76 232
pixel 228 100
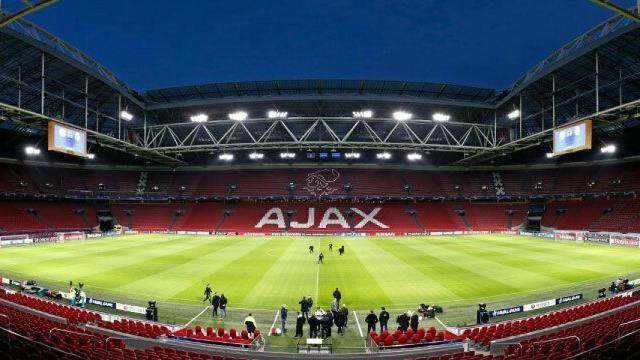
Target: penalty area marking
pixel 197 316
pixel 274 322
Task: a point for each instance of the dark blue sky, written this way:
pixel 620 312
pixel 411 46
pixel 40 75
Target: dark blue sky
pixel 162 43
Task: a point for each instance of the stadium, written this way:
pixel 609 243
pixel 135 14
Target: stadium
pixel 185 222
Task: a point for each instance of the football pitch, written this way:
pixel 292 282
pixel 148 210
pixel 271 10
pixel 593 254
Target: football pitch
pixel 262 273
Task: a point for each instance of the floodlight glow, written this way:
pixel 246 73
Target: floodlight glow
pixel 91 156
pixel 125 115
pixel 365 114
pixel 441 117
pixel 30 150
pixel 225 157
pixel 383 156
pixel 256 156
pixel 352 155
pixel 514 114
pixel 238 116
pixel 414 156
pixel 608 149
pixel 549 155
pixel 199 118
pixel 402 115
pixel 272 114
pixel 287 155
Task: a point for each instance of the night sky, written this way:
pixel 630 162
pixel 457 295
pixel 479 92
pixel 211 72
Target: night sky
pixel 163 43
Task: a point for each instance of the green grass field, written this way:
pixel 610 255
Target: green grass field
pixel 262 273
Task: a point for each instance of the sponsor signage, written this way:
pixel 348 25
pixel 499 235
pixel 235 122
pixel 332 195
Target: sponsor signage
pixel 103 303
pixel 536 305
pixel 597 237
pixel 625 240
pixel 131 308
pixel 506 311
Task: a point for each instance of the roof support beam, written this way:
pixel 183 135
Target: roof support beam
pixel 26 11
pixel 620 10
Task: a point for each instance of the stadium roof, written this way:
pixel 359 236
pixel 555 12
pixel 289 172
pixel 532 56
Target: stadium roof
pixel 598 70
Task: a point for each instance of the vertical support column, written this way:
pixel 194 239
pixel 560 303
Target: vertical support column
pixel 495 128
pixel 63 104
pixel 553 100
pixel 144 133
pixel 521 111
pixel 597 83
pixel 97 118
pixel 86 102
pixel 620 81
pixel 20 86
pixel 119 114
pixel 42 85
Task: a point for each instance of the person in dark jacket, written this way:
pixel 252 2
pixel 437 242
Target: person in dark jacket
pixel 207 293
pixel 371 321
pixel 310 300
pixel 215 301
pixel 339 319
pixel 304 307
pixel 313 326
pixel 300 320
pixel 283 318
pixel 403 322
pixel 223 306
pixel 384 320
pixel 414 322
pixel 337 295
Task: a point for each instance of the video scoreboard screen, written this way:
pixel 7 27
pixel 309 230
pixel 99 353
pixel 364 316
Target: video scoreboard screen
pixel 569 139
pixel 66 139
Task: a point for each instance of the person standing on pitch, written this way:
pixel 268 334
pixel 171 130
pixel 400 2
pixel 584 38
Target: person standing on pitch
pixel 207 293
pixel 300 320
pixel 384 320
pixel 330 247
pixel 304 307
pixel 337 295
pixel 215 302
pixel 310 300
pixel 223 307
pixel 283 318
pixel 371 321
pixel 320 257
pixel 311 249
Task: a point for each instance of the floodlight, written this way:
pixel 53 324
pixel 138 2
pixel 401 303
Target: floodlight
pixel 31 150
pixel 125 115
pixel 352 155
pixel 414 156
pixel 272 114
pixel 225 157
pixel 402 115
pixel 441 117
pixel 608 149
pixel 383 156
pixel 287 155
pixel 91 156
pixel 549 155
pixel 199 118
pixel 514 114
pixel 363 114
pixel 238 116
pixel 256 156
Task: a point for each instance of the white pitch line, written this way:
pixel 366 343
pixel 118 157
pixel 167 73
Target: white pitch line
pixel 440 322
pixel 357 322
pixel 317 279
pixel 197 316
pixel 274 322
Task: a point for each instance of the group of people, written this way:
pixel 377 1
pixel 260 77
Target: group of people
pixel 218 302
pixel 321 255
